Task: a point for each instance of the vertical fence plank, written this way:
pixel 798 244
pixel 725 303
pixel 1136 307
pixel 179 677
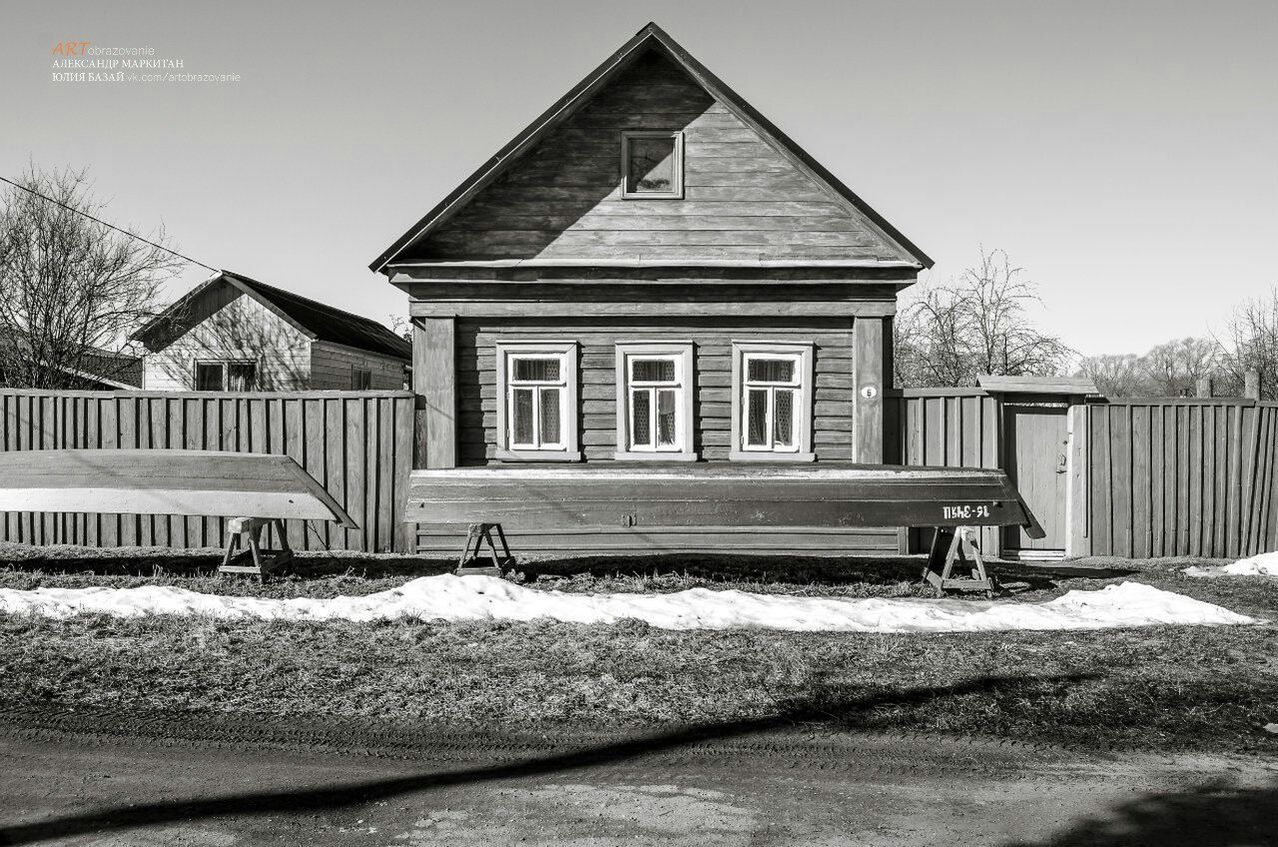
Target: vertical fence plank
pixel 384 462
pixel 1100 444
pixel 1140 499
pixel 356 474
pixel 405 415
pixel 1206 468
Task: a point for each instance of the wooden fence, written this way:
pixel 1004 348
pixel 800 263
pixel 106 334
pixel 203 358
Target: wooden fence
pixel 1180 478
pixel 357 444
pixel 1149 478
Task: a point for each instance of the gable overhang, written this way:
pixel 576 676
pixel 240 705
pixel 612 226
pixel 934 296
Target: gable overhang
pixel 650 37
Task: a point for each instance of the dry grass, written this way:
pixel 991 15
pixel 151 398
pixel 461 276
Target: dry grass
pixel 1174 687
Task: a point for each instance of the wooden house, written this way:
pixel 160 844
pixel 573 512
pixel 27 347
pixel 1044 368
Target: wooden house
pixel 232 333
pixel 652 271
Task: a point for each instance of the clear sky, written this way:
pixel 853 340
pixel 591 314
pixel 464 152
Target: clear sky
pixel 1125 153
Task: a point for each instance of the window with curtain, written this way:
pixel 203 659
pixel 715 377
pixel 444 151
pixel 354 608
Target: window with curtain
pixel 537 401
pixel 772 391
pixel 654 401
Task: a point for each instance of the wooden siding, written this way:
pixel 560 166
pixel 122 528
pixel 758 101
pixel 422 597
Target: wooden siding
pixel 239 328
pixel 358 445
pixel 712 366
pixel 743 199
pixel 332 366
pixel 1180 478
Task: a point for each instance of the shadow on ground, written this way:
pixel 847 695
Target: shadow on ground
pixel 793 570
pixel 1213 814
pixel 821 709
pixel 155 562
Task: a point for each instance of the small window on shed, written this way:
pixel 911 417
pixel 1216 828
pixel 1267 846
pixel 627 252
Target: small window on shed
pixel 241 376
pixel 225 375
pixel 209 376
pixel 652 165
pixel 361 379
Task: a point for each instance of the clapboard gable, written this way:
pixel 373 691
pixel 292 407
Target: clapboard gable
pixel 749 194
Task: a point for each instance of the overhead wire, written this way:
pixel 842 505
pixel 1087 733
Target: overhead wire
pixel 133 235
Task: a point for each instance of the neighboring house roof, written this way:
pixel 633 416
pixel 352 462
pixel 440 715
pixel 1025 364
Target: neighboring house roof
pixel 116 369
pixel 105 367
pixel 315 320
pixel 651 37
pixel 1037 384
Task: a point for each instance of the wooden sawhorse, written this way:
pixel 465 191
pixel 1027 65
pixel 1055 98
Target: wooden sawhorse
pixel 951 545
pixel 246 533
pixel 477 535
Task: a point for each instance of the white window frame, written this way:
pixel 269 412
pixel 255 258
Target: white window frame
pixel 567 449
pixel 225 365
pixel 681 353
pixel 802 354
pixel 677 170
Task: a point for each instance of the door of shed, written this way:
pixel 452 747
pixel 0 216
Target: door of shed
pixel 1036 447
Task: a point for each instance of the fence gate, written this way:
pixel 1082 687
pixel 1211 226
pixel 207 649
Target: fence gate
pixel 1036 447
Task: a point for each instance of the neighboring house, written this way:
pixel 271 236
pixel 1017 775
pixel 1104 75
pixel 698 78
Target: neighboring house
pixel 232 333
pixel 653 271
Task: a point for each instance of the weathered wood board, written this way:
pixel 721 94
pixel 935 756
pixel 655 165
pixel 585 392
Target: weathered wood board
pixel 164 482
pixel 714 495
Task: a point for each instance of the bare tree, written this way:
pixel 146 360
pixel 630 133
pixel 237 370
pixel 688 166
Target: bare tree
pixel 977 324
pixel 1251 344
pixel 1117 375
pixel 1174 368
pixel 67 283
pixel 402 327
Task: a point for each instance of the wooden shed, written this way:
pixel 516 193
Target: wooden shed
pixel 652 271
pixel 233 333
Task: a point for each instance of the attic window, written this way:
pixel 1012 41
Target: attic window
pixel 652 165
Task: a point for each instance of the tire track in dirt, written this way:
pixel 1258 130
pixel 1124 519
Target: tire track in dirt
pixel 668 749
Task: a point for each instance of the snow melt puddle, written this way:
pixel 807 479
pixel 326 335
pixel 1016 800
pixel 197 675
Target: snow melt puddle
pixel 482 597
pixel 1264 564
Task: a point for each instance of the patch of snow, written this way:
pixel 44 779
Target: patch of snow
pixel 1264 564
pixel 455 598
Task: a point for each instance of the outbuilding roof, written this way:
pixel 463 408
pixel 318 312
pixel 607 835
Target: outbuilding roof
pixel 318 321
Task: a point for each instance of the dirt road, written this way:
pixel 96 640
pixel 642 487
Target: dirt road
pixel 212 784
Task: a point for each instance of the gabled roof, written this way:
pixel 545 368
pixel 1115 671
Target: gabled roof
pixel 650 37
pixel 313 319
